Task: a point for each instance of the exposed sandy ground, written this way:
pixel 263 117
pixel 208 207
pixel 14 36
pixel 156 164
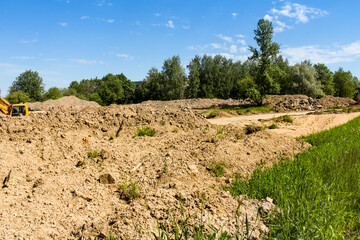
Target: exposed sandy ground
pixel 303 124
pixel 45 196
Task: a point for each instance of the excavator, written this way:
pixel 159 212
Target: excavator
pixel 13 109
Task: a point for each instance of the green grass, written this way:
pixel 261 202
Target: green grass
pixel 285 118
pixel 318 191
pixel 257 109
pixel 249 129
pixel 145 131
pixel 218 168
pixel 212 112
pixel 129 191
pixel 92 154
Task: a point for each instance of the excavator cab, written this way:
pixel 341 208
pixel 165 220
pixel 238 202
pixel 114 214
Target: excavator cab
pixel 19 109
pixel 13 109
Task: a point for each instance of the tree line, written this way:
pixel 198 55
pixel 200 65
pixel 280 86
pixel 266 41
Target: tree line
pixel 265 72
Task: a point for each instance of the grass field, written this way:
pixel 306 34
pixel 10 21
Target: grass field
pixel 318 191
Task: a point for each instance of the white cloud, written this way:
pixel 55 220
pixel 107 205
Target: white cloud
pixel 241 41
pixel 63 24
pixel 300 13
pixel 22 57
pixel 29 41
pixel 225 38
pixel 170 24
pixel 233 48
pixel 268 17
pixel 110 20
pixel 125 56
pixel 215 46
pixel 157 14
pixel 186 27
pixel 101 3
pixel 234 14
pixel 239 36
pixel 294 12
pixel 50 59
pixel 326 55
pixel 84 61
pixel 84 17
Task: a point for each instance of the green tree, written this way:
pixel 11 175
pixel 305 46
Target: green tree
pixel 326 77
pixel 303 78
pixel 264 56
pixel 344 86
pixel 174 79
pixel 29 82
pixel 194 77
pixel 53 93
pixel 18 97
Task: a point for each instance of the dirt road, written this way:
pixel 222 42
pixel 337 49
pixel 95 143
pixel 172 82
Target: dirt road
pixel 303 124
pixel 250 118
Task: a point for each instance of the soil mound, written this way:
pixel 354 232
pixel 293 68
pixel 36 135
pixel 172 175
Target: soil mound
pixel 304 103
pixel 68 102
pixel 330 101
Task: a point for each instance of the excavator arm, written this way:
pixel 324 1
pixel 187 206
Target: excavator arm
pixel 5 106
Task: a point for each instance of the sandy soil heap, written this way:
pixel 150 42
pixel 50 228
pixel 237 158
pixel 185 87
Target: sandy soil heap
pixel 56 191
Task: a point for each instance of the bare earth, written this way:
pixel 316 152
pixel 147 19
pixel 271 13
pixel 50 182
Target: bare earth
pixel 49 197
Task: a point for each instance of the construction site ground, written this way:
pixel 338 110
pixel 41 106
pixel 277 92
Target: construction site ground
pixel 66 166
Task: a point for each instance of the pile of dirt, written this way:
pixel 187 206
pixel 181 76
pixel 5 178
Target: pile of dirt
pixel 66 166
pixel 330 101
pixel 68 102
pixel 303 102
pixel 200 103
pixel 291 102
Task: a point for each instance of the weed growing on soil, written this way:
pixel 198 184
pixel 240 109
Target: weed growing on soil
pixel 260 109
pixel 211 114
pixel 285 118
pixel 163 123
pixel 129 191
pixel 80 163
pixel 218 168
pixel 178 230
pixel 145 131
pixel 318 191
pixel 175 130
pixel 252 128
pixel 272 126
pixel 93 154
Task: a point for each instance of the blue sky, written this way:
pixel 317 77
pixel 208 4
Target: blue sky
pixel 67 40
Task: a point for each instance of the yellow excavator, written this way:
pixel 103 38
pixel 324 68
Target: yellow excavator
pixel 13 109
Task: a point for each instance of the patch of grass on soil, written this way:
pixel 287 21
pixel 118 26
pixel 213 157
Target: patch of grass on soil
pixel 145 131
pixel 318 191
pixel 249 129
pixel 285 118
